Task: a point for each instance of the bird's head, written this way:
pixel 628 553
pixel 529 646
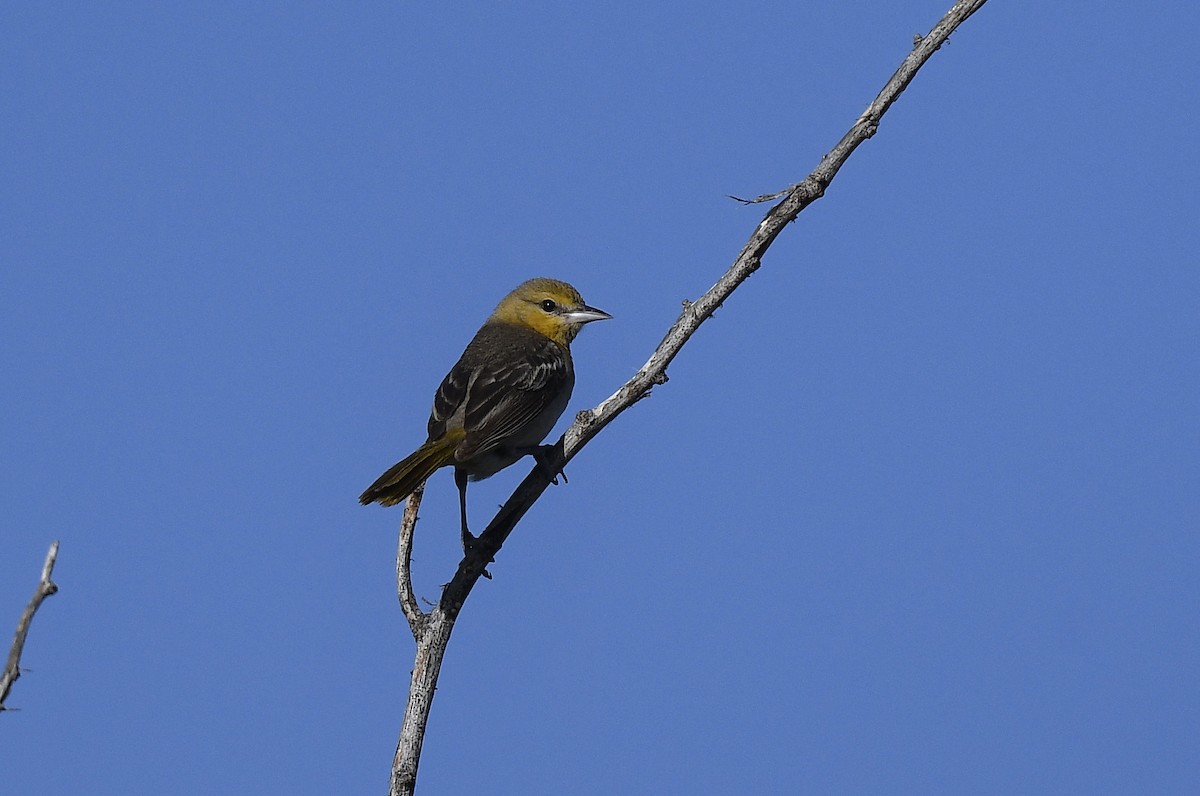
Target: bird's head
pixel 549 307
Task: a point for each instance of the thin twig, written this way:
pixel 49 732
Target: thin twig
pixel 432 642
pixel 45 587
pixel 758 200
pixel 404 588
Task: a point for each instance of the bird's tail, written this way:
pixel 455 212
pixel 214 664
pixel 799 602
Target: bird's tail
pixel 402 479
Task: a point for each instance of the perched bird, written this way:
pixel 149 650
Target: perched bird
pixel 503 396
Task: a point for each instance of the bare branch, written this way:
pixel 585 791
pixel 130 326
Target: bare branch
pixel 435 636
pixel 404 589
pixel 589 423
pixel 45 587
pixel 426 668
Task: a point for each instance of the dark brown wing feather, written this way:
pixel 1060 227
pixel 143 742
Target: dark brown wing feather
pixel 507 376
pixel 449 396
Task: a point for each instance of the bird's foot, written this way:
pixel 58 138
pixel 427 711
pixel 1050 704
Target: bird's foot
pixel 544 455
pixel 469 542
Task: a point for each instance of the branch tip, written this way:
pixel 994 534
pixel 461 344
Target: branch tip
pixel 766 197
pixel 417 619
pixel 46 587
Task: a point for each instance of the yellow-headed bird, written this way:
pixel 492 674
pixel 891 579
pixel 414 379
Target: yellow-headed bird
pixel 501 399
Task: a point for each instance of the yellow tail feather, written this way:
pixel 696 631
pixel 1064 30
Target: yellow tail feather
pixel 405 476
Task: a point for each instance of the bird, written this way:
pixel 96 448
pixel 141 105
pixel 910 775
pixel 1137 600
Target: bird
pixel 501 398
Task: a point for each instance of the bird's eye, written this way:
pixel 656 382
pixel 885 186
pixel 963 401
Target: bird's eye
pixel 549 306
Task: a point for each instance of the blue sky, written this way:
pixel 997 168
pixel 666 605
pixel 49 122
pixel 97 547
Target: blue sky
pixel 916 513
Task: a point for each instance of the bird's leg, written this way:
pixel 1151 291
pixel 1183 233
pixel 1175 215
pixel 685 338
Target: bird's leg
pixel 460 480
pixel 468 538
pixel 543 454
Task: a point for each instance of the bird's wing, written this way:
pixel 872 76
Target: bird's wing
pixel 450 396
pixel 509 393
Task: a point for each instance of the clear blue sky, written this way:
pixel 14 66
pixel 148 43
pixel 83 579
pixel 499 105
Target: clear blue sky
pixel 916 513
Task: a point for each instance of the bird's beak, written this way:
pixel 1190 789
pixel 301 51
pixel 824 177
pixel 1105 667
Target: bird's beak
pixel 585 314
